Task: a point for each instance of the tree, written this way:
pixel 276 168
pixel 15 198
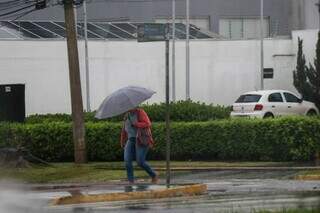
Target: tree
pixel 313 75
pixel 300 77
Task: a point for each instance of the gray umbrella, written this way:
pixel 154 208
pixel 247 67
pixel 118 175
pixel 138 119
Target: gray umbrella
pixel 123 100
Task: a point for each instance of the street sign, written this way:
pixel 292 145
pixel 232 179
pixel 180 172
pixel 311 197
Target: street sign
pixel 152 32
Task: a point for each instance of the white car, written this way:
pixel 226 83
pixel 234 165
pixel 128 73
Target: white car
pixel 271 103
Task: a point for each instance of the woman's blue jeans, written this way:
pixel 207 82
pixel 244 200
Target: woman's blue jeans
pixel 133 151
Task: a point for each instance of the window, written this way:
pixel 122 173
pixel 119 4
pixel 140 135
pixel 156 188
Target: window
pixel 268 73
pixel 243 28
pixel 202 23
pixel 248 98
pixel 275 97
pixel 291 98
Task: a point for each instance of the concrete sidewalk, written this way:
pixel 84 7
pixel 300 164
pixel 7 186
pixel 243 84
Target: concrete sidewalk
pixel 232 190
pixel 221 171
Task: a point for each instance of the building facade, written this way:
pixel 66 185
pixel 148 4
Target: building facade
pixel 220 71
pixel 234 19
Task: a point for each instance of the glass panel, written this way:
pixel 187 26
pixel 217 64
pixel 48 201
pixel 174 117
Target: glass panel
pixel 266 27
pixel 62 24
pixel 275 97
pixel 181 27
pixel 202 23
pixel 194 33
pixel 248 99
pixel 179 34
pixel 80 29
pixel 236 29
pixel 36 30
pixel 115 30
pixel 251 28
pixel 197 34
pixel 248 28
pixel 52 27
pixel 19 31
pixel 224 28
pixel 5 34
pixel 126 27
pixel 101 32
pixel 135 24
pixel 291 98
pixel 181 31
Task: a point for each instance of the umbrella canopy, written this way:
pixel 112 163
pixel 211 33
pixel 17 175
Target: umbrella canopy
pixel 123 100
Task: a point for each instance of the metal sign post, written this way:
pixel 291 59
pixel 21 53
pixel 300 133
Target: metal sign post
pixel 187 50
pixel 160 32
pixel 261 47
pixel 86 55
pixel 173 50
pixel 168 179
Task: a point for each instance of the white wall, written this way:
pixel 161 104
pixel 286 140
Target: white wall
pixel 220 70
pixel 309 38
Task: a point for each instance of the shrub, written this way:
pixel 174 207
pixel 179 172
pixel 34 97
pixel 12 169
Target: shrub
pixel 180 111
pixel 284 139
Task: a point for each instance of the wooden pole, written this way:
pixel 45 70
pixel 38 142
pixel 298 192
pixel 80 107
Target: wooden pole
pixel 75 85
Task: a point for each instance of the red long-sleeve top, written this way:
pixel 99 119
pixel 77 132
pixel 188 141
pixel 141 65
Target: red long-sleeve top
pixel 143 122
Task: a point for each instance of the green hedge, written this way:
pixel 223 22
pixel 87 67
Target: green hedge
pixel 180 111
pixel 284 139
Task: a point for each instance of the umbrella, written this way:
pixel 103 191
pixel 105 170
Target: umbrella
pixel 123 100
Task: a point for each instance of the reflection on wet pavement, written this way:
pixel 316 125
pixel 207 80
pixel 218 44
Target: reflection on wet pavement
pixel 139 188
pixel 228 191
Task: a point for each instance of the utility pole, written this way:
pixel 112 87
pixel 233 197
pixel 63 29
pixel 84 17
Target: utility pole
pixel 86 55
pixel 168 141
pixel 173 50
pixel 187 49
pixel 80 155
pixel 261 47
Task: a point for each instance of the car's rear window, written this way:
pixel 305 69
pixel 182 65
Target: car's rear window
pixel 248 98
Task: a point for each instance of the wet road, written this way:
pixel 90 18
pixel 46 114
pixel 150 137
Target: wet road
pixel 228 191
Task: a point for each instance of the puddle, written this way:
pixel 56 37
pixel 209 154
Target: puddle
pixel 233 193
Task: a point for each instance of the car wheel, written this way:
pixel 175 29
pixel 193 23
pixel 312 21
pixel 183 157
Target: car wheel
pixel 268 115
pixel 311 113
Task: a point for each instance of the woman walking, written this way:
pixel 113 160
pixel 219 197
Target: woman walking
pixel 136 139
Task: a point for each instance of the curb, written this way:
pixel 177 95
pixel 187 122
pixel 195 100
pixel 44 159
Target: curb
pixel 307 177
pixel 294 168
pixel 181 191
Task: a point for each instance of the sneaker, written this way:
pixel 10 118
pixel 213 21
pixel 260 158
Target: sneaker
pixel 155 180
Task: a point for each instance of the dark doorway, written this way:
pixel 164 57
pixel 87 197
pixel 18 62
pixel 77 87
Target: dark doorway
pixel 12 102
